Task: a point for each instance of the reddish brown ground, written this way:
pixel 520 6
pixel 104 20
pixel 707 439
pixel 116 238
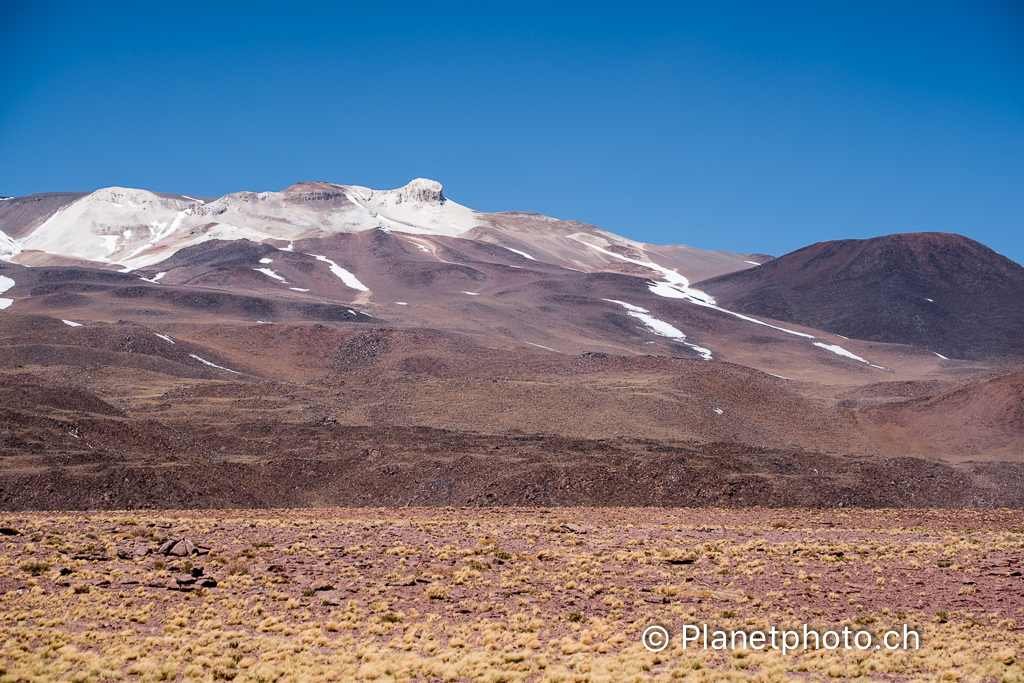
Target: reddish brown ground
pixel 513 594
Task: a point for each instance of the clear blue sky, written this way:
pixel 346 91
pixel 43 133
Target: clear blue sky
pixel 760 126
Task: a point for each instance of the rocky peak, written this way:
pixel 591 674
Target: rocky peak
pixel 420 191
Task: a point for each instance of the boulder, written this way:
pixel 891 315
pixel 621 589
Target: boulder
pixel 182 548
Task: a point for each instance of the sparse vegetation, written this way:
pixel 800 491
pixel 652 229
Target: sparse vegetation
pixel 34 567
pixel 483 595
pixel 236 566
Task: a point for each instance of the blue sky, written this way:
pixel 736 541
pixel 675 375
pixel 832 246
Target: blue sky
pixel 745 126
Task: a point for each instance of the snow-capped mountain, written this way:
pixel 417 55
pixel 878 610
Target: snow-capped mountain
pixel 414 257
pixel 132 229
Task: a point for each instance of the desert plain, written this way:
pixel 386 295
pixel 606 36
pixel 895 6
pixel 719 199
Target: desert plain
pixel 506 594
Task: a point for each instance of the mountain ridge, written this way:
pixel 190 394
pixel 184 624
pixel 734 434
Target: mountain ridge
pixel 133 229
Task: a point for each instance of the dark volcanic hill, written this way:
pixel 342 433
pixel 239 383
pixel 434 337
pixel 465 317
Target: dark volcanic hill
pixel 938 291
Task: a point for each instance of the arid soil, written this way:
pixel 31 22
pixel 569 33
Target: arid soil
pixel 511 594
pixel 118 416
pixel 420 466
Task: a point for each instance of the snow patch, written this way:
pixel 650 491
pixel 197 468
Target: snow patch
pixel 931 300
pixel 155 278
pixel 840 351
pixel 348 278
pixel 666 290
pixel 266 260
pixel 72 323
pixel 719 410
pixel 673 278
pixel 418 246
pixel 8 247
pixel 164 337
pixel 213 365
pixel 110 242
pixel 269 273
pixel 193 199
pixel 472 293
pixel 299 289
pixel 540 345
pixel 660 327
pixel 754 262
pixel 5 284
pixel 677 286
pixel 401 303
pixel 521 253
pixel 630 307
pixel 940 355
pixel 158 231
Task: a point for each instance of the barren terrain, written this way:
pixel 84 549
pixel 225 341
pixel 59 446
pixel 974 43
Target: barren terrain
pixel 114 416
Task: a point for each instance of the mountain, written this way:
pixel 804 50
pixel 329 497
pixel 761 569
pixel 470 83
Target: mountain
pixel 405 341
pixel 135 228
pixel 937 291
